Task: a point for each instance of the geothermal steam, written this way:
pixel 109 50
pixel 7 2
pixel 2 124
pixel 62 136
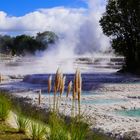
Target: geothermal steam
pixel 78 30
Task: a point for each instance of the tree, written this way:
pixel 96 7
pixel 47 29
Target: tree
pixel 25 44
pixel 22 44
pixel 121 22
pixel 47 37
pixel 5 42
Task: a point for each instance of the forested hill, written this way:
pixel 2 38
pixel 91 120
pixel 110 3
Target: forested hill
pixel 22 44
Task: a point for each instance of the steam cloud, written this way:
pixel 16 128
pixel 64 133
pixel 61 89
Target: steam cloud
pixel 78 30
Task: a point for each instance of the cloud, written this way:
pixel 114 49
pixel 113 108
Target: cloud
pixel 58 19
pixel 78 28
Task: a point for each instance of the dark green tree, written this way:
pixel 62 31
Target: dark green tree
pixel 25 44
pixel 47 37
pixel 121 22
pixel 5 43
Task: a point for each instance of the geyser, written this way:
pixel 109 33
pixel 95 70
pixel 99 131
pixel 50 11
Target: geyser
pixel 80 35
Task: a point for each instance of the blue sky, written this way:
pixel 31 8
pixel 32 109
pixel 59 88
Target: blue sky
pixel 21 7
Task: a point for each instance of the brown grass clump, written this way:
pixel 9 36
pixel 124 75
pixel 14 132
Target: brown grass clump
pixel 59 86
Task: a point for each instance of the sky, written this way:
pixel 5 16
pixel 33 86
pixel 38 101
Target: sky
pixel 21 7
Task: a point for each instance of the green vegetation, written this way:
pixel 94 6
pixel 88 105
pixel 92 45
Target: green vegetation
pixel 8 133
pixel 38 130
pixel 78 129
pixel 46 37
pixel 32 125
pixel 22 123
pixel 58 127
pixel 5 107
pixel 22 44
pixel 121 22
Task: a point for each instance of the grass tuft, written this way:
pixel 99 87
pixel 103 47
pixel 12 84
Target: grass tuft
pixel 5 106
pixel 58 128
pixel 78 129
pixel 38 131
pixel 22 123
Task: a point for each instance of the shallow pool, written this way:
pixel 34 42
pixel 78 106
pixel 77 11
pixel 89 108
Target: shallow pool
pixel 84 93
pixel 129 113
pixel 103 101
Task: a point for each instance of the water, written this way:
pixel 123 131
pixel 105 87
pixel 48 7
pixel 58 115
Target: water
pixel 91 81
pixel 84 93
pixel 103 101
pixel 93 101
pixel 129 113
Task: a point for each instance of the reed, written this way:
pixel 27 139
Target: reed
pixel 61 90
pixel 77 91
pixel 49 84
pixel 57 80
pixel 74 89
pixel 56 86
pixel 62 87
pixel 73 99
pixel 79 85
pixel 39 97
pixel 59 86
pixel 49 88
pixel 0 78
pixel 69 89
pixel 76 80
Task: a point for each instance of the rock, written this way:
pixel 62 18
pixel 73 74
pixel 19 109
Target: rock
pixel 132 135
